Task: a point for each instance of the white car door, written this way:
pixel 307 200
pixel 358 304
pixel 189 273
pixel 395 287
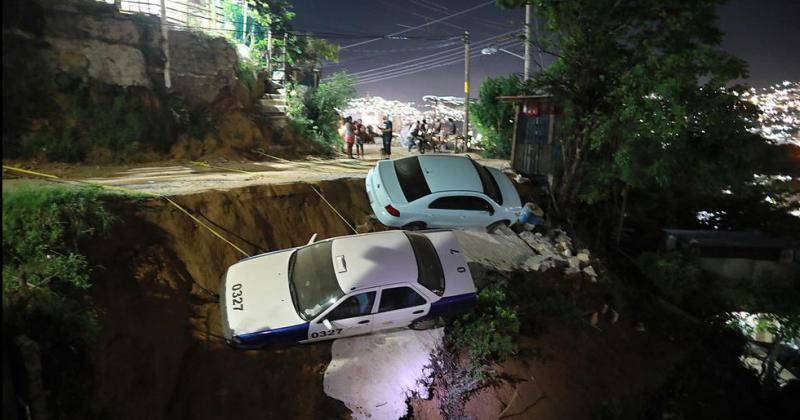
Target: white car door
pixel 463 210
pixel 445 211
pixel 352 315
pixel 399 306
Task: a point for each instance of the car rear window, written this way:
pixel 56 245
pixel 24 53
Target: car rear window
pixel 490 187
pixel 430 269
pixel 412 181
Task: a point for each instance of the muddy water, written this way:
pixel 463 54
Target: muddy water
pixel 160 354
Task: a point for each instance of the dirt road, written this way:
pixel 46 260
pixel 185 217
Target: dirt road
pixel 179 178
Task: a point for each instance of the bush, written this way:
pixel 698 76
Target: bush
pixel 495 119
pixel 491 330
pixel 45 281
pixel 676 276
pixel 315 109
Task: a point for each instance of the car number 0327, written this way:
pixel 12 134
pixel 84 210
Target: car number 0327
pixel 238 300
pixel 326 333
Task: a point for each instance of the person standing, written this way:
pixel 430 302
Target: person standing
pixel 387 137
pixel 361 137
pixel 349 136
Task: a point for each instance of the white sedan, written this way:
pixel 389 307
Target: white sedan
pixel 345 286
pixel 441 191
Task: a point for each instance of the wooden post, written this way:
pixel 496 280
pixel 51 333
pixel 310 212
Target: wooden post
pixel 165 35
pixel 269 53
pixel 514 137
pixel 214 25
pixel 285 59
pixel 244 21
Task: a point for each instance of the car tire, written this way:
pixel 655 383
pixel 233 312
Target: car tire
pixel 491 228
pixel 427 324
pixel 415 226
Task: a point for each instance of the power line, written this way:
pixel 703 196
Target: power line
pixel 406 72
pixel 421 26
pixel 450 58
pixel 449 52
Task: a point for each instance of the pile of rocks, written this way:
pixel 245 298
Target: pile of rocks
pixel 555 250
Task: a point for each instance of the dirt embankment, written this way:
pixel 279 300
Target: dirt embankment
pixel 159 353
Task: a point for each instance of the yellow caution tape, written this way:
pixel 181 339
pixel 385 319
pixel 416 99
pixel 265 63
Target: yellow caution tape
pixel 25 171
pixel 132 191
pixel 207 165
pixel 334 209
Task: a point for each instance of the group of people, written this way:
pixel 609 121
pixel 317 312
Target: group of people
pixel 422 132
pixel 356 133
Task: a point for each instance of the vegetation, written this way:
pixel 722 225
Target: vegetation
pixel 489 332
pixel 495 119
pixel 46 280
pixel 650 127
pixel 314 110
pixel 303 52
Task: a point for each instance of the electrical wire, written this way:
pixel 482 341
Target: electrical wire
pixel 406 72
pixel 449 53
pixel 421 26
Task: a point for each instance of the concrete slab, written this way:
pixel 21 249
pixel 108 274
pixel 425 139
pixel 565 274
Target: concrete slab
pixel 372 374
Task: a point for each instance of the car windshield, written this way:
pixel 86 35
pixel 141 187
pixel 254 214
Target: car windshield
pixel 412 181
pixel 312 280
pixel 490 187
pixel 430 269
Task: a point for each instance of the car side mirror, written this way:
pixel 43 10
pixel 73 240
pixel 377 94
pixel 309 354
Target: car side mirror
pixel 327 324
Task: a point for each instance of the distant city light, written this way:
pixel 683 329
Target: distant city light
pixel 780 111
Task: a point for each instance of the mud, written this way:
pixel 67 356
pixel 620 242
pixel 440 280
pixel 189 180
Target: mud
pixel 160 353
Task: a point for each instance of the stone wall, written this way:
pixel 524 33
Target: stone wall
pixel 92 40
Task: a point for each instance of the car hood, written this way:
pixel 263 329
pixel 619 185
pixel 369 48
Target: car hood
pixel 266 303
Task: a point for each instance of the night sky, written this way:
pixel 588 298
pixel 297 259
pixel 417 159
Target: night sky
pixel 763 32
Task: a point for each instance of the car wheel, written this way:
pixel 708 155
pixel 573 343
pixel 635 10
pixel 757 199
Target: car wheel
pixel 427 323
pixel 415 226
pixel 491 228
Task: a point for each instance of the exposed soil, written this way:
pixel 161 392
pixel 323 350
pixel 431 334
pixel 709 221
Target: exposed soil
pixel 160 352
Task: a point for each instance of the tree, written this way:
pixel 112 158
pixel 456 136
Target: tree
pixel 316 109
pixel 495 119
pixel 647 111
pixel 304 51
pixel 783 327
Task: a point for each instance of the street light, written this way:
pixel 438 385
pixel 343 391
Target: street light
pixel 494 50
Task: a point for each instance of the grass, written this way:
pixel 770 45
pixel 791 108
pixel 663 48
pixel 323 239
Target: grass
pixel 46 280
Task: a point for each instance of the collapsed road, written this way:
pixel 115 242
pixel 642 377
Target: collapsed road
pixel 161 335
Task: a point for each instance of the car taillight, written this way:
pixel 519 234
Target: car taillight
pixel 393 211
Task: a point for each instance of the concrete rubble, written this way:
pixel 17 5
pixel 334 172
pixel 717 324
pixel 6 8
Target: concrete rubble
pixel 555 250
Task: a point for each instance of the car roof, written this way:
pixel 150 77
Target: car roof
pixel 450 173
pixel 373 260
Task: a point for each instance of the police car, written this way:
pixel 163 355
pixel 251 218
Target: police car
pixel 441 191
pixel 345 286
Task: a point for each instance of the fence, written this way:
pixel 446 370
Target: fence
pixel 203 15
pixel 207 16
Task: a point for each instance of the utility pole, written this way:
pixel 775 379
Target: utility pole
pixel 527 69
pixel 466 90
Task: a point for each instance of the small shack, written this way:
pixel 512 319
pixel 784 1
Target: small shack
pixel 739 254
pixel 536 147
